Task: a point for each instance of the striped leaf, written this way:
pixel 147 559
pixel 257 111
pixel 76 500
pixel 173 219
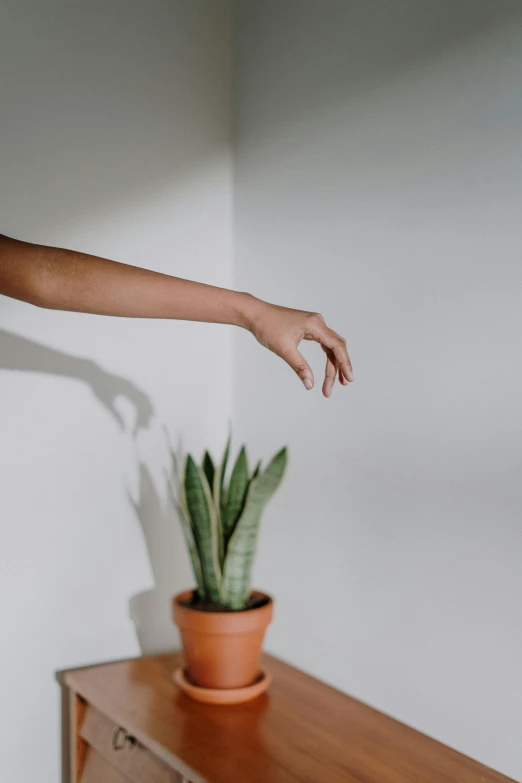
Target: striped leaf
pixel 236 582
pixel 237 490
pixel 219 492
pixel 205 526
pixel 186 526
pixel 208 468
pixel 219 478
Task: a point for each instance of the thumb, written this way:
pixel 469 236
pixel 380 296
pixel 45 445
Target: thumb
pixel 299 364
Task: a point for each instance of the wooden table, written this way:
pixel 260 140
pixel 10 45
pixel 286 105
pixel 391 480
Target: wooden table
pixel 130 724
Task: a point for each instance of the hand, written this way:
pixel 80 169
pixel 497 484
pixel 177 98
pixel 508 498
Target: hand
pixel 281 329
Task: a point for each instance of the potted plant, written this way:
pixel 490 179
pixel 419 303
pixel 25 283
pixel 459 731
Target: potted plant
pixel 223 621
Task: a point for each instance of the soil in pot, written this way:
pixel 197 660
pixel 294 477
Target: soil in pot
pixel 255 601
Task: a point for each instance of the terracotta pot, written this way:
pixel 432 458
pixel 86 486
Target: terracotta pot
pixel 222 649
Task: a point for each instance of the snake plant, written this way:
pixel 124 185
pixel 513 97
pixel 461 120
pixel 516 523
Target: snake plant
pixel 220 521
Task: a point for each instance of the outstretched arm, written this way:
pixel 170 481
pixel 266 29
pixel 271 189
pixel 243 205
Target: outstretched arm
pixel 66 280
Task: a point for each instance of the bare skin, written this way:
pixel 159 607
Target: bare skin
pixel 60 279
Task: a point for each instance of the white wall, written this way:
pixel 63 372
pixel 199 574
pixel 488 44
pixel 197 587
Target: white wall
pixel 114 139
pixel 379 181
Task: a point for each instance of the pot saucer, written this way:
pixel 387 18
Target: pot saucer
pixel 223 696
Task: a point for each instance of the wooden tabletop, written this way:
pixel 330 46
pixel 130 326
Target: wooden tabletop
pixel 301 731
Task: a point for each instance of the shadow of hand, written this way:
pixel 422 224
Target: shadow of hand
pixel 24 355
pixel 107 388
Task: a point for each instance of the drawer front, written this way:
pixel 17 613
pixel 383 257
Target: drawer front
pixel 123 752
pixel 97 770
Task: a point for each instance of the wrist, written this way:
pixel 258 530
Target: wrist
pixel 247 310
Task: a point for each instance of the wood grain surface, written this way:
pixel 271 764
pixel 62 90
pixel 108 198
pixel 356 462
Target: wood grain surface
pixel 301 731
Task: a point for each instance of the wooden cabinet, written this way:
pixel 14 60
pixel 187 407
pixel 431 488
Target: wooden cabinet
pixel 122 751
pixel 130 724
pixel 97 770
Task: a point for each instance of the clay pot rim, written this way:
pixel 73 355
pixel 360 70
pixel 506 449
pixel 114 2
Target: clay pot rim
pixel 243 621
pixel 185 595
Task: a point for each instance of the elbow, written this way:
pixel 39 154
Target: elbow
pixel 42 285
pixel 28 279
pixel 35 289
pixel 38 296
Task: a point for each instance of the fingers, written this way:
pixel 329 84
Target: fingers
pixel 334 342
pixel 328 380
pixel 344 381
pixel 330 374
pixel 299 364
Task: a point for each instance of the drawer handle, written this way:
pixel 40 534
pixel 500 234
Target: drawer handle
pixel 122 740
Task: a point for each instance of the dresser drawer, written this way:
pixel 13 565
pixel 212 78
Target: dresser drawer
pixel 97 770
pixel 123 752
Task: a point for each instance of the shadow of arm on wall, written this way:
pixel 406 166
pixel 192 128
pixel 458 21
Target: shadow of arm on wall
pixel 24 355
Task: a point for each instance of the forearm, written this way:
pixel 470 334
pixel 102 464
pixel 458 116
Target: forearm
pixel 66 280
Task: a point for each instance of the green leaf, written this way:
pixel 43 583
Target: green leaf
pixel 205 525
pixel 208 468
pixel 186 526
pixel 236 582
pixel 219 477
pixel 237 490
pixel 220 497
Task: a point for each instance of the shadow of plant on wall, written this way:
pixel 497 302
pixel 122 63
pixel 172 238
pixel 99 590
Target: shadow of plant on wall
pixel 151 610
pixel 23 355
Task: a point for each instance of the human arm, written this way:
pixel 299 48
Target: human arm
pixel 61 279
